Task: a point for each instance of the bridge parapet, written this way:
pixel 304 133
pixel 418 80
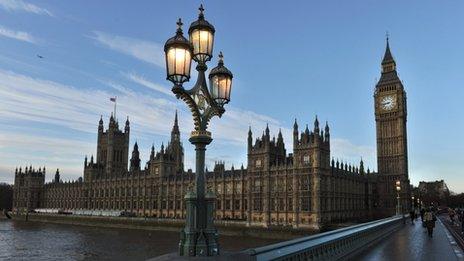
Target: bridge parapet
pixel 332 245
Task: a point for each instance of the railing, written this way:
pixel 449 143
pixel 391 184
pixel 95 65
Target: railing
pixel 332 245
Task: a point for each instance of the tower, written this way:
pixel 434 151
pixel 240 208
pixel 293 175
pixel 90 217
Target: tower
pixel 113 147
pixel 135 160
pixel 392 151
pixel 175 147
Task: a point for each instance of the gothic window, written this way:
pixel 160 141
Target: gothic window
pixel 257 204
pixel 238 188
pixel 228 205
pixel 257 185
pixel 281 204
pixel 306 159
pixel 305 204
pixel 273 204
pixel 218 204
pixel 237 204
pixel 304 183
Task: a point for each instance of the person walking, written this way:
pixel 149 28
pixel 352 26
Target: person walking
pixel 451 214
pixel 412 216
pixel 429 218
pixel 462 222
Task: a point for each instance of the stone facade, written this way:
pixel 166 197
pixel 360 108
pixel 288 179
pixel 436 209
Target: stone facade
pixel 306 188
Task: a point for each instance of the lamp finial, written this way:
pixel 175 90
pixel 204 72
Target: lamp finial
pixel 179 25
pixel 201 15
pixel 221 58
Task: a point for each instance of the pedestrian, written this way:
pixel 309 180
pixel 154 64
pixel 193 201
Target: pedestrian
pixel 412 216
pixel 451 214
pixel 462 222
pixel 422 212
pixel 430 218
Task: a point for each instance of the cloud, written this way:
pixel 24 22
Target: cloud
pixel 144 82
pixel 17 35
pixel 345 150
pixel 64 111
pixel 146 51
pixel 36 150
pixel 19 5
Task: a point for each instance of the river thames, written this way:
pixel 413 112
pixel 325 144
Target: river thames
pixel 20 240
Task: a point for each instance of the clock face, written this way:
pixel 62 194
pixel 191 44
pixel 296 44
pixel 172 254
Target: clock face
pixel 388 102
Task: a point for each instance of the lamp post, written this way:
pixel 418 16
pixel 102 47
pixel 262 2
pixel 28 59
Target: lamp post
pixel 199 237
pixel 398 189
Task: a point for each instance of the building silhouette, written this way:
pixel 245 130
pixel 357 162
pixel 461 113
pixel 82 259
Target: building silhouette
pixel 305 188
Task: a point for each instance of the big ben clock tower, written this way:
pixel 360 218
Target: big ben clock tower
pixel 392 149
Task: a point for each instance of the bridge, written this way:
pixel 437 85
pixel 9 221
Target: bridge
pixel 392 238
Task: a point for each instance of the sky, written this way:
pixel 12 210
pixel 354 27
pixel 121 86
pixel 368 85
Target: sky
pixel 292 59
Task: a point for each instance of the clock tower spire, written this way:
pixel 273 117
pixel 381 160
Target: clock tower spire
pixel 392 149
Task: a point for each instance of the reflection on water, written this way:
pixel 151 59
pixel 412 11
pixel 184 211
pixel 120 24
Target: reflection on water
pixel 21 240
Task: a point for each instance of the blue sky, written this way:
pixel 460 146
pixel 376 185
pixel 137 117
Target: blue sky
pixel 289 59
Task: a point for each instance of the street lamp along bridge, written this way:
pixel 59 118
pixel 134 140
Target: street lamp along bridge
pixel 199 237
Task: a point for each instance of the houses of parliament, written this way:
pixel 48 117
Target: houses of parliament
pixel 305 188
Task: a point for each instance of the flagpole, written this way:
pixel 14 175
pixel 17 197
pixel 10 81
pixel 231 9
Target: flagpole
pixel 115 101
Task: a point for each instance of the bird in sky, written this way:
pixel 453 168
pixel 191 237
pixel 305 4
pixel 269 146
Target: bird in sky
pixel 40 56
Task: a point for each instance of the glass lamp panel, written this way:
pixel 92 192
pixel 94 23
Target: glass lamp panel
pixel 202 41
pixel 220 88
pixel 178 64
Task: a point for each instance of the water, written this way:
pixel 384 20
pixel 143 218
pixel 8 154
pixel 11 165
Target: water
pixel 20 240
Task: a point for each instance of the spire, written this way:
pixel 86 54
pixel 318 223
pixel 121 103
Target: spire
pixel 388 63
pixel 57 176
pixel 387 57
pixel 267 129
pixel 327 132
pixel 316 125
pixel 295 126
pixel 175 119
pixel 307 130
pixel 175 133
pixel 279 136
pixel 361 166
pixel 152 153
pixel 127 127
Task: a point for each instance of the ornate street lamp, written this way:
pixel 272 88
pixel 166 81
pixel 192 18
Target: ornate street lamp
pixel 398 189
pixel 199 237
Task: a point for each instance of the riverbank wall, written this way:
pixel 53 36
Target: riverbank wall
pixel 231 228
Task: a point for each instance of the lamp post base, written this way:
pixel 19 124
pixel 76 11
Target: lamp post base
pixel 197 239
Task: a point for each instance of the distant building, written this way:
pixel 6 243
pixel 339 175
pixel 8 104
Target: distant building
pixel 6 196
pixel 435 192
pixel 305 188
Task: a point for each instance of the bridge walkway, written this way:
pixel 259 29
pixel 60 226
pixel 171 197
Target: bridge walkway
pixel 412 242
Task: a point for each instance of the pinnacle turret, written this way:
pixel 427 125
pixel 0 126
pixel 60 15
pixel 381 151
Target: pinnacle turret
pixel 316 125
